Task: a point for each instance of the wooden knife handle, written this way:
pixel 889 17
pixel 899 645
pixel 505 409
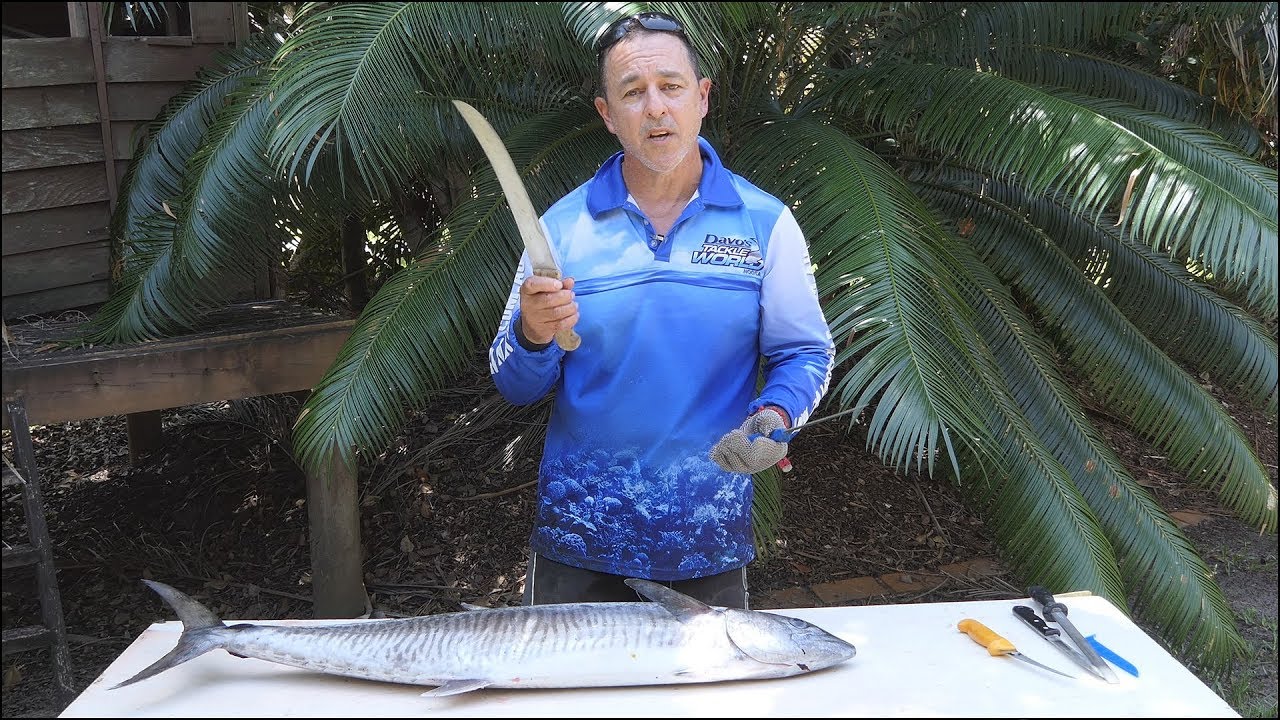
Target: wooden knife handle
pixel 569 339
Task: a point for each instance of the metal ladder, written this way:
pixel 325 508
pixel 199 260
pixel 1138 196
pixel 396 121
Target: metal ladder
pixel 39 552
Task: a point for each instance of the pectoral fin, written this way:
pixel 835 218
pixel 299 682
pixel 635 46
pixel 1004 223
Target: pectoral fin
pixel 456 687
pixel 759 639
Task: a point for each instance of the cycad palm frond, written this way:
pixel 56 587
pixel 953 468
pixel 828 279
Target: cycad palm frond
pixel 421 328
pixel 1041 520
pixel 1137 378
pixel 882 268
pixel 961 33
pixel 373 80
pixel 1017 131
pixel 177 132
pixel 1100 76
pixel 1244 186
pixel 1158 557
pixel 154 180
pixel 218 226
pixel 1172 307
pixel 898 286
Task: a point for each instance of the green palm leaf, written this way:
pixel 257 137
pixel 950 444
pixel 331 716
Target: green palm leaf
pixel 1157 396
pixel 1172 307
pixel 960 33
pixel 219 227
pixel 1245 186
pixel 1171 585
pixel 882 265
pixel 374 80
pixel 1100 76
pixel 1047 143
pixel 421 328
pixel 883 293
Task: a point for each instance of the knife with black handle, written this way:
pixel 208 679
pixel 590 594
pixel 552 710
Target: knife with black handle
pixel 1054 637
pixel 1055 611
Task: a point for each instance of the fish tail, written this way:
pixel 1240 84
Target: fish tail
pixel 198 638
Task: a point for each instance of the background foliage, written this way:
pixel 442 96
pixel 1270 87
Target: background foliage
pixel 1017 211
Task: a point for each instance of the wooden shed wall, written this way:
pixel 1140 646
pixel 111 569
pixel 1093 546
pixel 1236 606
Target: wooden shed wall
pixel 65 130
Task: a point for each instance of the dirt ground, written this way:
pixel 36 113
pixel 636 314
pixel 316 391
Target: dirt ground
pixel 220 513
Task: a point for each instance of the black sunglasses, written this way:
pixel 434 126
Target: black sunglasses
pixel 656 21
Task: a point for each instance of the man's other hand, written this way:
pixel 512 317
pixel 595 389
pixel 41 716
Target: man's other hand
pixel 748 448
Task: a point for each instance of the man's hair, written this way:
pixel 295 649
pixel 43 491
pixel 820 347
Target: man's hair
pixel 634 25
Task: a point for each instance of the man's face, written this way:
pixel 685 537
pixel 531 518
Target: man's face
pixel 653 102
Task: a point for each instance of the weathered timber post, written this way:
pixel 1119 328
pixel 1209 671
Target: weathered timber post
pixel 333 507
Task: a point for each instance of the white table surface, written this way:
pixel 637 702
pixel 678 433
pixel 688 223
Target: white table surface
pixel 911 662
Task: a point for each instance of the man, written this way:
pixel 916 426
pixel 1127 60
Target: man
pixel 678 276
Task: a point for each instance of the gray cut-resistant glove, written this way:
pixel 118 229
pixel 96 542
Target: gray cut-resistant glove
pixel 748 448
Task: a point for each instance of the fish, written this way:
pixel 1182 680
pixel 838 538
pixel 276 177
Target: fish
pixel 670 638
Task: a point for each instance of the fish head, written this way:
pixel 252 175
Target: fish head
pixel 781 640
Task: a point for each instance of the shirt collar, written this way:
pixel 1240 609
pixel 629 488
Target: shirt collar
pixel 607 190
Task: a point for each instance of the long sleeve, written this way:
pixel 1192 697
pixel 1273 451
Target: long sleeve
pixel 522 376
pixel 794 336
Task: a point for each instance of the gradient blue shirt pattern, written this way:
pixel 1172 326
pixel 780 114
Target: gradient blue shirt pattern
pixel 673 330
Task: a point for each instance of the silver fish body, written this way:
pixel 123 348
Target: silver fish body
pixel 674 639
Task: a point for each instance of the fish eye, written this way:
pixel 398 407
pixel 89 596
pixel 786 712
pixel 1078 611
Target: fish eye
pixel 797 623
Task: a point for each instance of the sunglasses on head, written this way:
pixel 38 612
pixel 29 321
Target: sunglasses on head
pixel 656 21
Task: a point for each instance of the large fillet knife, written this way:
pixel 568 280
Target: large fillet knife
pixel 535 242
pixel 1055 611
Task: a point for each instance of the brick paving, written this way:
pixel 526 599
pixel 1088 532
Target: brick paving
pixel 870 589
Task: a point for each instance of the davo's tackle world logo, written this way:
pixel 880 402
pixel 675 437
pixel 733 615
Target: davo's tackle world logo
pixel 729 251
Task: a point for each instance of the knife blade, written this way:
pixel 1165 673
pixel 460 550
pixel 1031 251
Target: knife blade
pixel 535 242
pixel 1054 636
pixel 997 645
pixel 1055 611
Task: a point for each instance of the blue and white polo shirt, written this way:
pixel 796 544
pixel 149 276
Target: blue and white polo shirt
pixel 673 330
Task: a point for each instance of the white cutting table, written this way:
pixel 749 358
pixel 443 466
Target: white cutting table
pixel 911 662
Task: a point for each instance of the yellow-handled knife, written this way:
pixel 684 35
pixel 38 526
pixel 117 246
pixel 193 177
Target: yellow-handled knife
pixel 997 645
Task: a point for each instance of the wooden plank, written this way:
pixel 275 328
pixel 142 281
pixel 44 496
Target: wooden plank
pixel 240 19
pixel 54 301
pixel 174 373
pixel 78 19
pixel 122 139
pixel 59 267
pixel 121 169
pixel 40 62
pixel 54 187
pixel 55 227
pixel 49 106
pixel 51 147
pixel 26 108
pixel 96 35
pixel 140 100
pixel 135 60
pixel 211 22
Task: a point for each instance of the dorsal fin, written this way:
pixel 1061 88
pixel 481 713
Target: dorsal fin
pixel 677 603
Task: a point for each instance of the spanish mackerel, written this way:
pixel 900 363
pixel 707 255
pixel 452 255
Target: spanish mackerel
pixel 674 639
